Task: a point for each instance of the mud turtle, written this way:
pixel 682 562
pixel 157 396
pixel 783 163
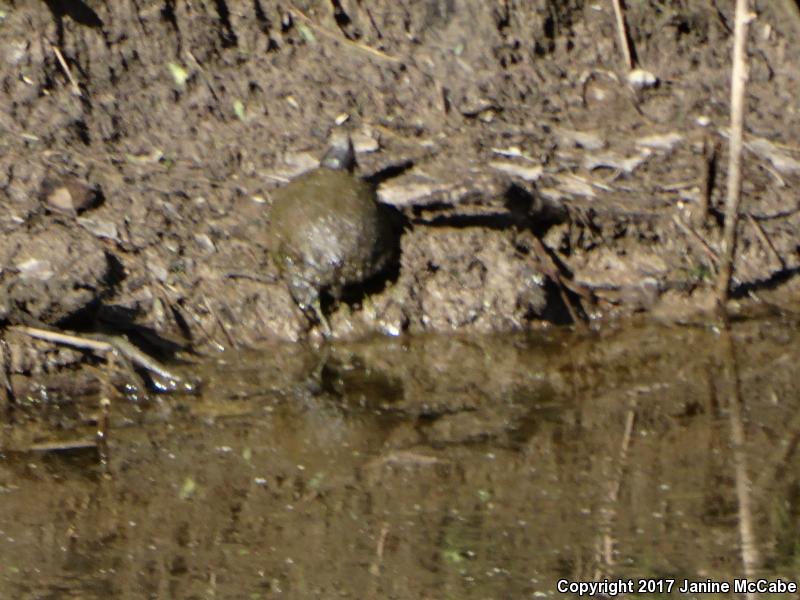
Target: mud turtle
pixel 327 230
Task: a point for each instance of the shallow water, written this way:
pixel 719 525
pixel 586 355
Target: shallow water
pixel 441 467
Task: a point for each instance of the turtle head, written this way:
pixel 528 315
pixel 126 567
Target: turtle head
pixel 341 155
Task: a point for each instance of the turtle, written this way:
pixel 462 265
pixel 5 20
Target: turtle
pixel 328 231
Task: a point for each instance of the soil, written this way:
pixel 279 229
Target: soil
pixel 491 125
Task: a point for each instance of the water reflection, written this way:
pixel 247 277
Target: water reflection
pixel 429 468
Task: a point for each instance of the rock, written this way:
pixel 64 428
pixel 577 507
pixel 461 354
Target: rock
pixel 327 231
pixel 69 195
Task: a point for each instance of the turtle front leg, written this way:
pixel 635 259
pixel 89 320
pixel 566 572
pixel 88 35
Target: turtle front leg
pixel 306 296
pixel 315 308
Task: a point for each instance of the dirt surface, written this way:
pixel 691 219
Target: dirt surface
pixel 489 124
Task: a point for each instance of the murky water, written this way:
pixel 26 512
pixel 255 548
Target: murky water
pixel 440 467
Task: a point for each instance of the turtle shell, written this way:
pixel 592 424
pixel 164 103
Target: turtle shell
pixel 327 231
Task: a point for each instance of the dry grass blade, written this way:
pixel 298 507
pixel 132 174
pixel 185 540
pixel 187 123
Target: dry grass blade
pixel 622 31
pixel 734 191
pixel 375 567
pixel 75 88
pixel 769 248
pixel 348 43
pixel 697 239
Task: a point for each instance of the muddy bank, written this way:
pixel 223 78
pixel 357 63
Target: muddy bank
pixel 501 123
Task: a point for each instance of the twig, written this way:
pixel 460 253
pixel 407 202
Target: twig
pixel 102 346
pixel 59 446
pixel 204 76
pixel 363 47
pixel 734 193
pixel 768 247
pixel 694 236
pixel 375 567
pixel 64 338
pixel 103 430
pixel 75 89
pixel 622 31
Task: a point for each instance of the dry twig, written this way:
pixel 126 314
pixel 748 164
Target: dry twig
pixel 108 344
pixel 622 31
pixel 734 193
pixel 765 242
pixel 75 88
pixel 697 238
pixel 375 567
pixel 356 45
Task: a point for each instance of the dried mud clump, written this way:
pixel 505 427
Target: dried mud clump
pixel 52 273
